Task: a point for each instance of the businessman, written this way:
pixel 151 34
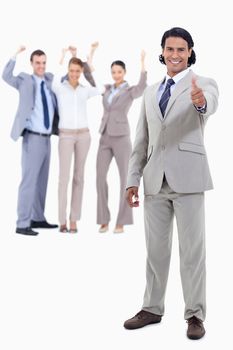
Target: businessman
pixel 36 120
pixel 169 153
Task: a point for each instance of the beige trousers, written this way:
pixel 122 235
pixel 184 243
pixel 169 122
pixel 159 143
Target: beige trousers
pixel 72 143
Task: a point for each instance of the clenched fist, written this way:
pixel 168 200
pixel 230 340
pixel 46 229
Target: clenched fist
pixel 132 196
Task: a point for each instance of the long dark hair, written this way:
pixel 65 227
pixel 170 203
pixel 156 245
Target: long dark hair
pixel 180 33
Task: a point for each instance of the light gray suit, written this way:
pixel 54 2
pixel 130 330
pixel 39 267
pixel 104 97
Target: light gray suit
pixel 169 153
pixel 35 148
pixel 115 142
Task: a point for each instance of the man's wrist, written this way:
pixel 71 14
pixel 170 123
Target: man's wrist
pixel 201 109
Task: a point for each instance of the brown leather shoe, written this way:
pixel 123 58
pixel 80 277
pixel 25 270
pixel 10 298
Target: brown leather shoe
pixel 142 319
pixel 195 329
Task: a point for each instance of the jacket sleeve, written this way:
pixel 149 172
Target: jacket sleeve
pixel 8 76
pixel 138 157
pixel 210 90
pixel 211 95
pixel 137 90
pixel 87 74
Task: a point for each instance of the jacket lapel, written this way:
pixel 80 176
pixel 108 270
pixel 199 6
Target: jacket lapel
pixel 115 98
pixel 34 88
pixel 153 97
pixel 182 85
pixel 119 93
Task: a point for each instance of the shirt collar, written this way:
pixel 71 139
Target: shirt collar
pixel 38 79
pixel 178 76
pixel 119 87
pixel 66 82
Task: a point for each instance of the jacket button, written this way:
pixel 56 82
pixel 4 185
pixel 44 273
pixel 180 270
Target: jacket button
pixel 163 148
pixel 163 127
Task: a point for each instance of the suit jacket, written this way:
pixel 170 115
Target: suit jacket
pixel 115 119
pixel 26 86
pixel 173 145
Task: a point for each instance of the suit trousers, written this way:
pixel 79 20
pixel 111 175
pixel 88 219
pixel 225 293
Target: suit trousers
pixel 159 212
pixel 119 147
pixel 33 186
pixel 72 143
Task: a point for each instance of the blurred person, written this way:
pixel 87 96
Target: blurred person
pixel 115 142
pixel 74 135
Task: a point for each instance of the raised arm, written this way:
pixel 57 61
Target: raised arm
pixel 137 90
pixel 91 55
pixel 86 67
pixel 101 88
pixel 59 76
pixel 63 54
pixel 143 56
pixel 7 74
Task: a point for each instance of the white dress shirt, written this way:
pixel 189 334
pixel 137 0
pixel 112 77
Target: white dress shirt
pixel 72 103
pixel 36 120
pixel 176 79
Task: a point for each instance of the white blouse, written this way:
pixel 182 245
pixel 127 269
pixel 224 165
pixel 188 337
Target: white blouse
pixel 72 103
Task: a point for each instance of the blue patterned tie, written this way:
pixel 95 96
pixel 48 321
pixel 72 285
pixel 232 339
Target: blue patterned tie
pixel 165 96
pixel 45 105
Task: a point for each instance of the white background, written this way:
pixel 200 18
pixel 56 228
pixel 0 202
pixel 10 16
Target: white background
pixel 64 292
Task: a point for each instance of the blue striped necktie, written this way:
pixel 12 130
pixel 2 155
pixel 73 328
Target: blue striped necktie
pixel 45 105
pixel 165 96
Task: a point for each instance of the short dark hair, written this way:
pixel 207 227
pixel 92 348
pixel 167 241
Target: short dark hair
pixel 118 63
pixel 37 53
pixel 75 60
pixel 180 33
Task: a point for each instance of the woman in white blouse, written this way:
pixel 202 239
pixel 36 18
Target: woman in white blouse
pixel 74 136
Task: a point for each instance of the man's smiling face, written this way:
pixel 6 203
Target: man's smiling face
pixel 176 54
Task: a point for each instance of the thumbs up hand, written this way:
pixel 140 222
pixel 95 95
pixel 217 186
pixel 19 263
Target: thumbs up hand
pixel 197 96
